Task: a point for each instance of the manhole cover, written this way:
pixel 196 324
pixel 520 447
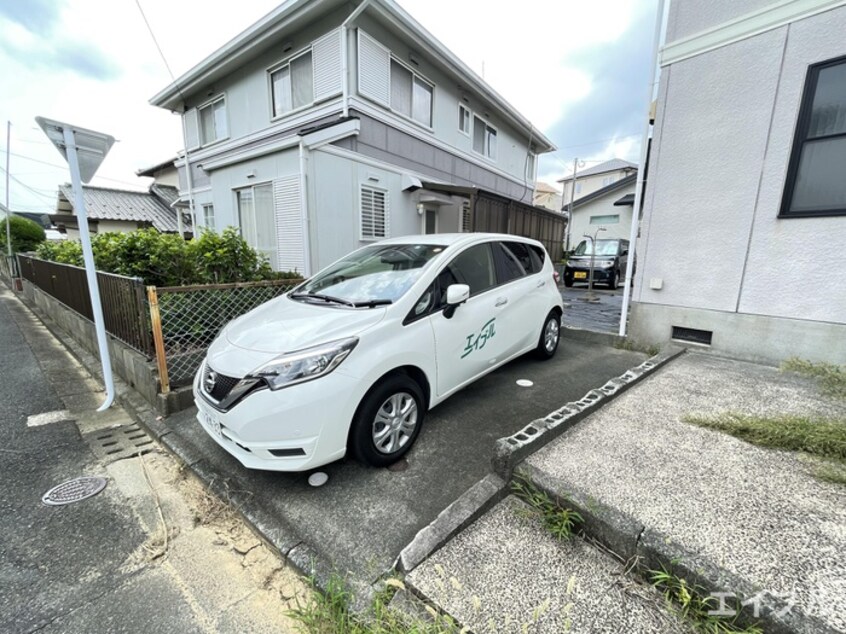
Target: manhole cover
pixel 74 490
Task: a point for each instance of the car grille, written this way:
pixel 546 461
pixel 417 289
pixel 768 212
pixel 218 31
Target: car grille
pixel 217 385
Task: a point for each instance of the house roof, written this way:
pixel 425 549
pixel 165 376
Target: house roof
pixel 628 199
pixel 151 171
pixel 613 165
pixel 293 14
pixel 102 203
pixel 545 188
pixel 599 193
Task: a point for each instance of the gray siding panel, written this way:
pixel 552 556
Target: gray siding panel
pixel 384 143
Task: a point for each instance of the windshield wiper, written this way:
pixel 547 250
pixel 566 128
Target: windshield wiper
pixel 326 298
pixel 372 303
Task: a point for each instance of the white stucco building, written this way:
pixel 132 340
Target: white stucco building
pixel 745 205
pixel 609 207
pixel 592 178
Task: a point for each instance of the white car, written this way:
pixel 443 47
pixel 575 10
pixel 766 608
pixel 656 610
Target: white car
pixel 352 359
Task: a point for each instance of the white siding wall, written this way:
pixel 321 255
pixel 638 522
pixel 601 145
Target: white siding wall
pixel 724 133
pixel 603 207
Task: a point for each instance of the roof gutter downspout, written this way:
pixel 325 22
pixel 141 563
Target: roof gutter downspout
pixel 190 183
pixel 644 149
pixel 304 208
pixel 345 65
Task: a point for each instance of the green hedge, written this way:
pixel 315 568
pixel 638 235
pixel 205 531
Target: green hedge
pixel 164 259
pixel 26 234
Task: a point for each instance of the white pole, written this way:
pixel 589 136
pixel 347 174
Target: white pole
pixel 90 272
pixel 644 148
pixel 8 209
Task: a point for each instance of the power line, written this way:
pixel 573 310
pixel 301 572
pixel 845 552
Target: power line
pixel 614 138
pixel 155 41
pixel 65 167
pixel 27 187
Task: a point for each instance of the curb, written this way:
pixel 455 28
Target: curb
pixel 648 549
pixel 591 336
pixel 511 450
pixel 302 557
pixel 471 505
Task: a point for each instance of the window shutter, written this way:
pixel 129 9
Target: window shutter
pixel 191 129
pixel 326 56
pixel 374 214
pixel 374 69
pixel 290 233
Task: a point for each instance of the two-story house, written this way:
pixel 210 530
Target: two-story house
pixel 744 218
pixel 594 178
pixel 329 123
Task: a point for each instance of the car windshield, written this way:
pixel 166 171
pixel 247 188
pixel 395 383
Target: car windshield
pixel 373 276
pixel 603 247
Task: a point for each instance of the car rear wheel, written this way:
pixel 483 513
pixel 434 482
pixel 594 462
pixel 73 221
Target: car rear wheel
pixel 550 334
pixel 387 421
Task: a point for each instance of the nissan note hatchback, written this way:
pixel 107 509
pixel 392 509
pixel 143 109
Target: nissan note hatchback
pixel 351 359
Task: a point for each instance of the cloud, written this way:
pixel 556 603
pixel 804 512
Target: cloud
pixel 608 121
pixel 32 33
pixel 37 16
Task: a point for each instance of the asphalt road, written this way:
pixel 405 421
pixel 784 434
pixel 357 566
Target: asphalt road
pixel 53 560
pixel 363 517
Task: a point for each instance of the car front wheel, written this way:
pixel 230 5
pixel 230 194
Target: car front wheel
pixel 550 334
pixel 387 421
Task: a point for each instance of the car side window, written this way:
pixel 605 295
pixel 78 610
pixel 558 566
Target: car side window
pixel 538 255
pixel 510 261
pixel 474 267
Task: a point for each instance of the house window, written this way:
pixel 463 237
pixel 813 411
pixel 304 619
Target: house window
pixel 374 204
pixel 466 221
pixel 257 220
pixel 608 180
pixel 208 217
pixel 463 120
pixel 815 185
pixel 605 220
pixel 213 121
pixel 411 95
pixel 578 188
pixel 293 85
pixel 484 138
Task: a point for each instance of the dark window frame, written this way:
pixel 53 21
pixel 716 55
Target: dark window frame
pixel 800 137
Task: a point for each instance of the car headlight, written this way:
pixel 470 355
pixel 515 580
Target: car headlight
pixel 305 365
pixel 606 264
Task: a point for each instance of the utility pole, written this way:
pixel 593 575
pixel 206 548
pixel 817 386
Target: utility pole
pixel 576 164
pixel 8 209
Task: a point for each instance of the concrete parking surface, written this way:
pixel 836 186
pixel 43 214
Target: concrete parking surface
pixel 363 517
pixel 601 316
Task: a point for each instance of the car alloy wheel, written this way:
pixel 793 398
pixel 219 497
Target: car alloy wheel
pixel 395 422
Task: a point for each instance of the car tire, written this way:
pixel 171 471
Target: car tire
pixel 568 282
pixel 614 281
pixel 378 436
pixel 549 337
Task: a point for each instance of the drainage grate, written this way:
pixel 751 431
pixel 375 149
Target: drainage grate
pixel 74 491
pixel 123 441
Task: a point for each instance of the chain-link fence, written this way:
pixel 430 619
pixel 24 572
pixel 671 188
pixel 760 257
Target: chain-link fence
pixel 192 316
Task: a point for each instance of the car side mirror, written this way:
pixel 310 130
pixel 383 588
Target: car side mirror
pixel 456 294
pixel 624 252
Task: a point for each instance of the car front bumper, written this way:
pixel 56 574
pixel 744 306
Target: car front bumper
pixel 293 429
pixel 599 274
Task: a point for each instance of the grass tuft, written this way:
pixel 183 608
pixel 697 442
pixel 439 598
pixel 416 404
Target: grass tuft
pixel 558 520
pixel 689 602
pixel 634 346
pixel 832 378
pixel 825 438
pixel 329 613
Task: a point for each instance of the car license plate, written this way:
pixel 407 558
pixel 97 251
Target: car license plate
pixel 579 275
pixel 212 424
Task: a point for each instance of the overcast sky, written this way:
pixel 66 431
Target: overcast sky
pixel 577 70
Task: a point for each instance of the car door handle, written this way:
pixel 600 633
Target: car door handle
pixel 541 283
pixel 502 301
